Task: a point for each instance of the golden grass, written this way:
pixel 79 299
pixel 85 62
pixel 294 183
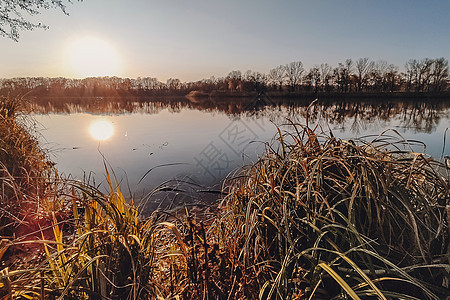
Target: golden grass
pixel 318 206
pixel 315 217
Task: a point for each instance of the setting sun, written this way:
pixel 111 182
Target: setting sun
pixel 91 57
pixel 101 130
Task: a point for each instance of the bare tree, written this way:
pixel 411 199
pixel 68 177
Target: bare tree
pixel 439 74
pixel 419 74
pixel 376 77
pixel 254 80
pixel 342 75
pixel 363 68
pixel 392 78
pixel 325 75
pixel 425 66
pixel 148 83
pixel 411 75
pixel 314 78
pixel 294 72
pixel 174 84
pixel 277 75
pixel 234 80
pixel 13 15
pixel 237 75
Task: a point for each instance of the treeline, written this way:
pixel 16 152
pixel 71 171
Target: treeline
pixel 359 76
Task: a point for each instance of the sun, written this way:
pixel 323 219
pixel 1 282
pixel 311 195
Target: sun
pixel 101 130
pixel 92 57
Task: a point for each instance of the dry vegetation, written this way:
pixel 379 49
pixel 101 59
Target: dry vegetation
pixel 27 176
pixel 315 218
pixel 320 217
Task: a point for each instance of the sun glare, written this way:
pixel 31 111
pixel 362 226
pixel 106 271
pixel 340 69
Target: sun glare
pixel 101 130
pixel 90 57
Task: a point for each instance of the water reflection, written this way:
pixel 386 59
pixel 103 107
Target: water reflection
pixel 201 142
pixel 101 130
pixel 418 115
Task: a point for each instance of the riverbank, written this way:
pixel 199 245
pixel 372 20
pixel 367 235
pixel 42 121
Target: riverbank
pixel 215 94
pixel 102 88
pixel 313 217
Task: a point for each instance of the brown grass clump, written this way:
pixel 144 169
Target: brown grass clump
pixel 319 217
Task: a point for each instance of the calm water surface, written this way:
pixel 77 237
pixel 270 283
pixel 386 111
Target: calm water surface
pixel 158 149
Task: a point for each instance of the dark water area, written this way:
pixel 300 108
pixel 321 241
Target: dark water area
pixel 174 151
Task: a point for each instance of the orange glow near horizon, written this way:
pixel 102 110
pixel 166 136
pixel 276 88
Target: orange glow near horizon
pixel 92 57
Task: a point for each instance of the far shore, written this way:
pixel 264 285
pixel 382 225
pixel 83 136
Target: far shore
pixel 200 96
pixel 327 95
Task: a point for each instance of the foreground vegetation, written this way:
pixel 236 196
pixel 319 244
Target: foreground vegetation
pixel 327 218
pixel 315 217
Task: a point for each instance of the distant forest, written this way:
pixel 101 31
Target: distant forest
pixel 359 76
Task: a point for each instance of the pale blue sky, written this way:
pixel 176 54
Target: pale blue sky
pixel 195 39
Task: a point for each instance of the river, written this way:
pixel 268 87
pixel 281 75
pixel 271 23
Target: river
pixel 166 148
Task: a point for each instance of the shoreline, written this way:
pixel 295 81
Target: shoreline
pixel 201 95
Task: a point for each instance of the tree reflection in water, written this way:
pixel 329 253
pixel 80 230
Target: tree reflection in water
pixel 160 134
pixel 422 116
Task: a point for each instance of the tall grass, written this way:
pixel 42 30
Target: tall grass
pixel 25 171
pixel 320 217
pixel 315 217
pixel 112 252
pixel 104 252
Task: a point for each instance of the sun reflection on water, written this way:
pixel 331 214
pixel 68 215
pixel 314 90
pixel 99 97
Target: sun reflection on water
pixel 101 130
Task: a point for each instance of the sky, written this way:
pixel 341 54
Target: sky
pixel 196 39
